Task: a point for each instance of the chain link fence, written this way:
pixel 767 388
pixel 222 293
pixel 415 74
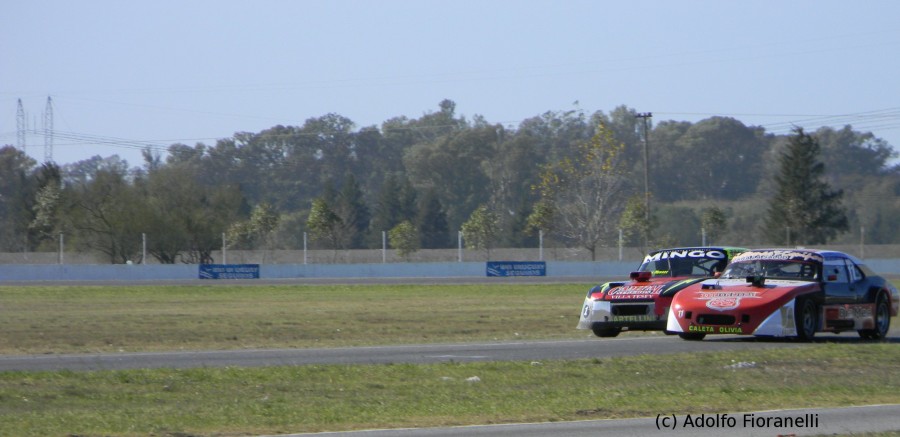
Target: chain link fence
pixel 374 256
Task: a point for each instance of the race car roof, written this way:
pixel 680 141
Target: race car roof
pixel 727 248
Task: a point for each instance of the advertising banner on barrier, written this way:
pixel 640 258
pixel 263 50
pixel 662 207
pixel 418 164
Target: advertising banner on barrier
pixel 516 268
pixel 229 271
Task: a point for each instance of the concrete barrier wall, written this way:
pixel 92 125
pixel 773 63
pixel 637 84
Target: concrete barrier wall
pixel 119 272
pixel 95 272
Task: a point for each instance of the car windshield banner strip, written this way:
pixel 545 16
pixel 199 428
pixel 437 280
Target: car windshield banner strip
pixel 779 255
pixel 516 268
pixel 229 271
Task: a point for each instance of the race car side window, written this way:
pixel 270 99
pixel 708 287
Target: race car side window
pixel 855 273
pixel 836 271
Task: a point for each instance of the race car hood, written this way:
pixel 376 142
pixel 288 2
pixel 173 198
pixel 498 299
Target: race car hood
pixel 733 294
pixel 650 289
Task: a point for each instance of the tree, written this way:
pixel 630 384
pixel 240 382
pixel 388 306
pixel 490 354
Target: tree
pixel 108 214
pixel 47 221
pixel 635 223
pixel 511 171
pixel 722 155
pixel 212 212
pixel 185 216
pixel 171 195
pixel 713 222
pixel 587 193
pixel 432 222
pixel 481 230
pixel 557 133
pixel 16 196
pixel 542 217
pixel 804 210
pixel 324 224
pixel 46 206
pixel 396 203
pixel 667 161
pixel 404 238
pixel 255 231
pixel 353 212
pixel 453 166
pixel 847 153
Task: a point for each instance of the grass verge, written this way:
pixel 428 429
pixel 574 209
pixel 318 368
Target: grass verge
pixel 241 401
pixel 61 319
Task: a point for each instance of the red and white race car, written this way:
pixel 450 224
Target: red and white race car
pixel 642 303
pixel 787 293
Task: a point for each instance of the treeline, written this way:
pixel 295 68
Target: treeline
pixel 423 180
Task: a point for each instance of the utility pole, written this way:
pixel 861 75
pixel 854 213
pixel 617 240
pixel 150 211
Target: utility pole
pixel 20 127
pixel 48 131
pixel 645 116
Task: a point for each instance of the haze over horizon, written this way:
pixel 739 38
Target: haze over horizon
pixel 127 75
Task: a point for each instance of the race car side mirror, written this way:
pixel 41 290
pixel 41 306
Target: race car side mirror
pixel 641 276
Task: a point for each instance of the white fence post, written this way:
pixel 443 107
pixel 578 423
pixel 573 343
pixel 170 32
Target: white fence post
pixel 541 244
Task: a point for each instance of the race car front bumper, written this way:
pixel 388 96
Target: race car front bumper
pixel 779 323
pixel 629 315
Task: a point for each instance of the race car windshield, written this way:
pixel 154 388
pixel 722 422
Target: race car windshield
pixel 693 266
pixel 774 269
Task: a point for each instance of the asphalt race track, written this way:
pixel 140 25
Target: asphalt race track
pixel 624 345
pixel 824 421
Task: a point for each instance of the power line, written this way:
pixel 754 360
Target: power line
pixel 880 119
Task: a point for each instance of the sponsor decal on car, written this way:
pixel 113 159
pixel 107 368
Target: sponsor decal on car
pixel 850 311
pixel 779 255
pixel 687 253
pixel 725 301
pixel 628 291
pixel 637 318
pixel 715 329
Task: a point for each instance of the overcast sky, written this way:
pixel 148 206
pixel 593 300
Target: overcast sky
pixel 123 75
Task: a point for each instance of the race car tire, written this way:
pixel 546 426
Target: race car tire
pixel 882 321
pixel 805 317
pixel 691 336
pixel 606 331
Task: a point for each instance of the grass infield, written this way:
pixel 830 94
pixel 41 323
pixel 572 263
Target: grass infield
pixel 272 400
pixel 39 320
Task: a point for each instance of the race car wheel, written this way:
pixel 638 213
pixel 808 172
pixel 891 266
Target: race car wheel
pixel 882 321
pixel 606 331
pixel 805 317
pixel 691 336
